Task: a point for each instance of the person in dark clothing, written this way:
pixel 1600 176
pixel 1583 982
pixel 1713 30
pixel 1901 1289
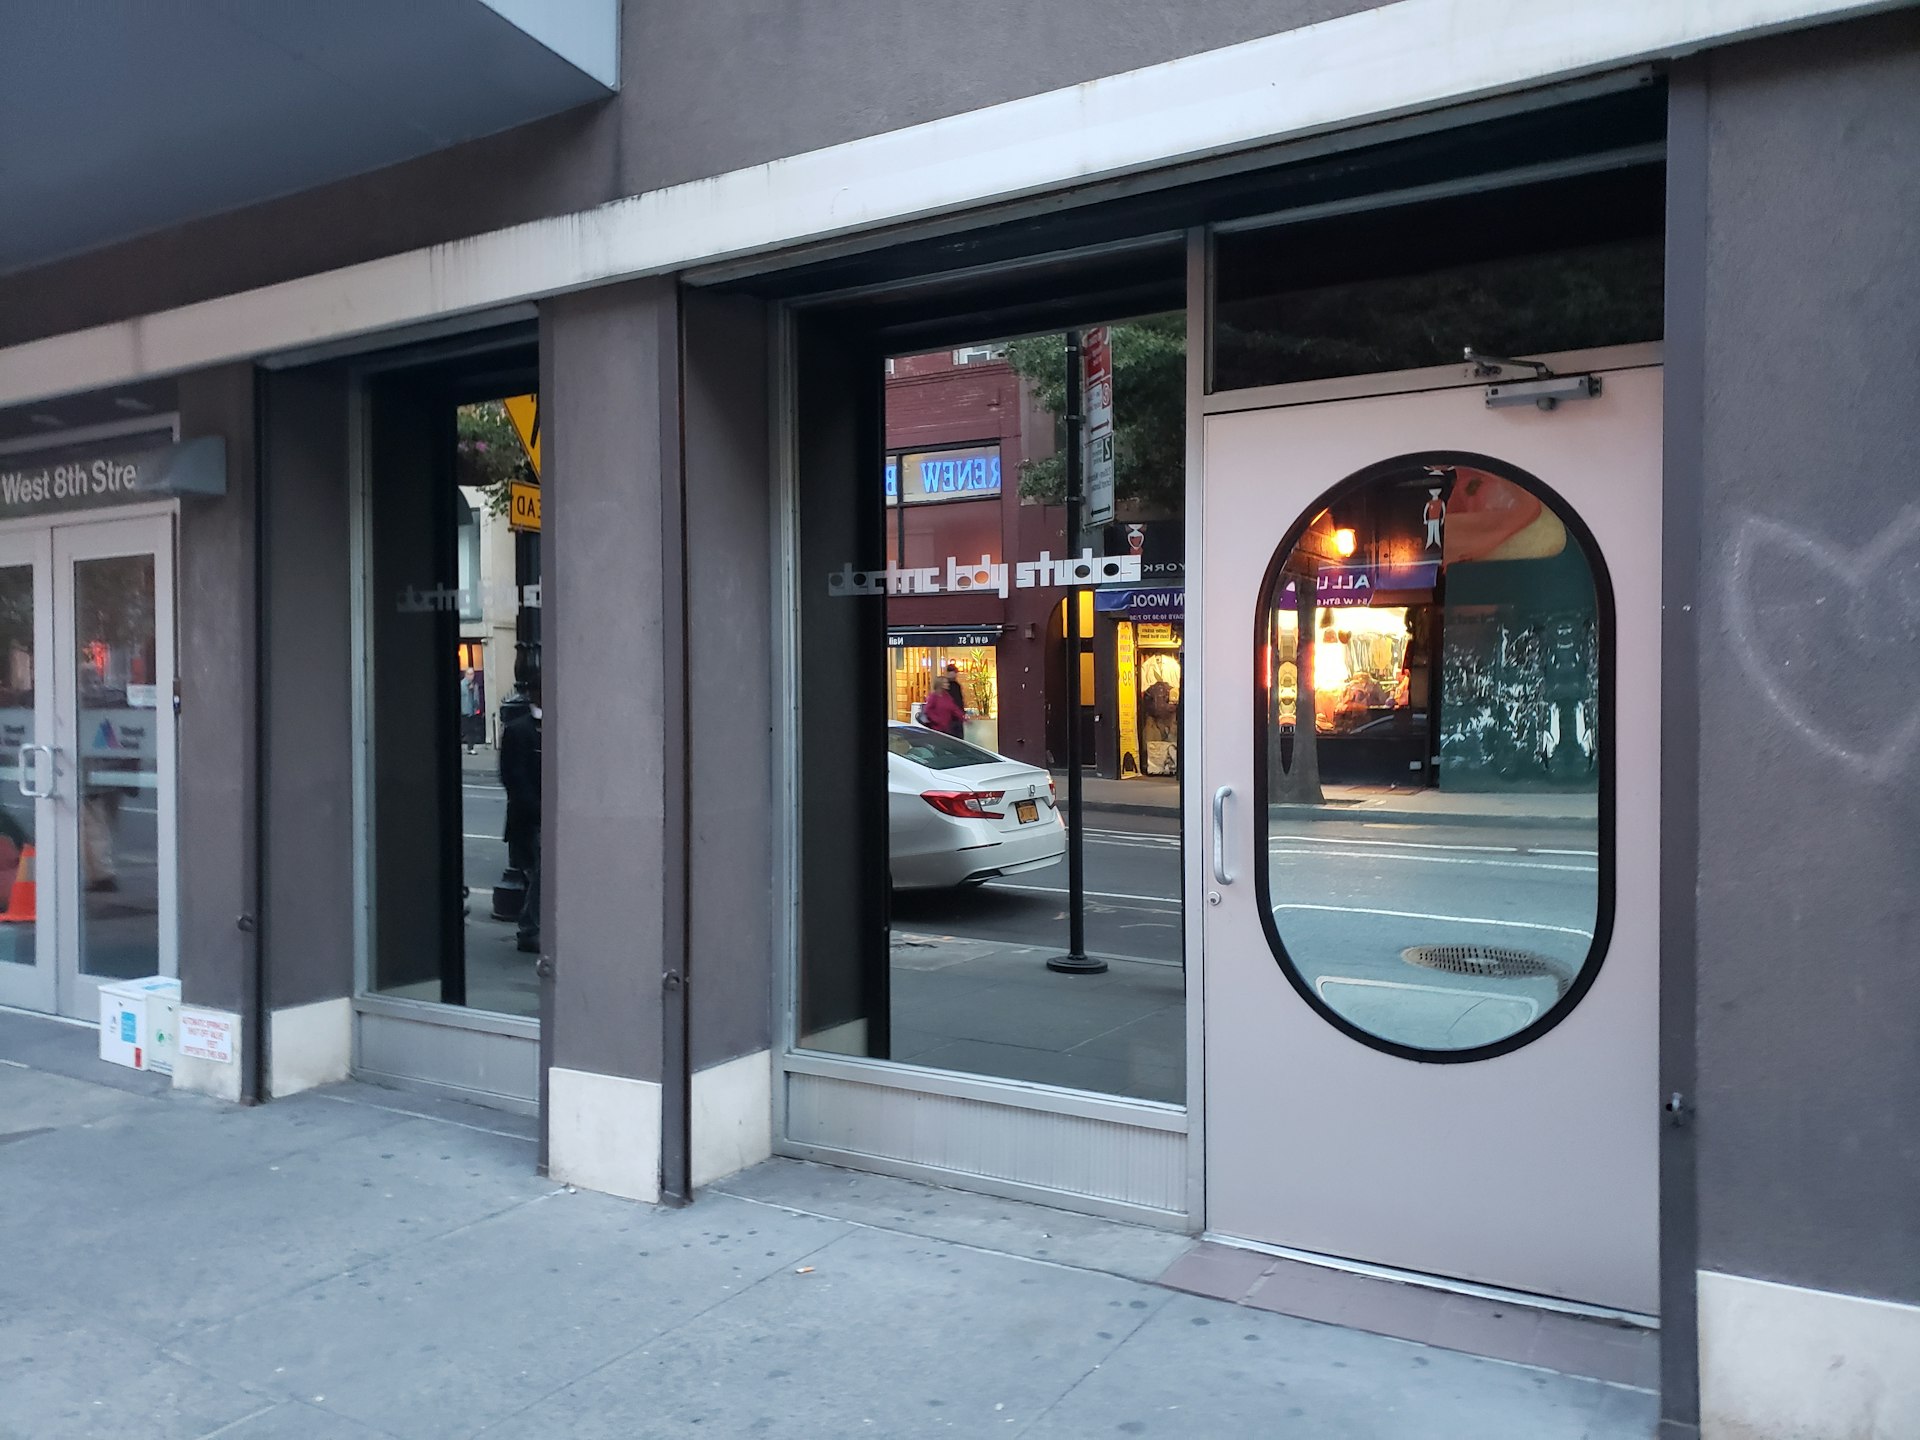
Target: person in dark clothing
pixel 520 776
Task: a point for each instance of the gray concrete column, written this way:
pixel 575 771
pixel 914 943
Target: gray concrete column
pixel 307 924
pixel 733 711
pixel 611 445
pixel 1806 1131
pixel 214 580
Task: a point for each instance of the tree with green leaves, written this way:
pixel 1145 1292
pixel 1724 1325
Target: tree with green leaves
pixel 1149 411
pixel 488 454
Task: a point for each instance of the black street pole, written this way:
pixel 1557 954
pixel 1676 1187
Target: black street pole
pixel 1076 961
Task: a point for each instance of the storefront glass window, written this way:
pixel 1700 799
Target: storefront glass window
pixel 1450 623
pixel 919 668
pixel 18 812
pixel 938 689
pixel 1409 287
pixel 115 660
pixel 455 705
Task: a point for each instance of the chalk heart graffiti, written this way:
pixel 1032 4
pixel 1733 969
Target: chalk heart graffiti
pixel 1831 636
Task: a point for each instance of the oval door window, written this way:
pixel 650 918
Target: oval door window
pixel 1434 700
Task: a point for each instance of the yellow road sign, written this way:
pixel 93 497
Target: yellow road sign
pixel 524 411
pixel 524 506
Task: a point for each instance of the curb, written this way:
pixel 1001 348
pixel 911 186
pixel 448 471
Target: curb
pixel 1126 807
pixel 1471 819
pixel 1360 812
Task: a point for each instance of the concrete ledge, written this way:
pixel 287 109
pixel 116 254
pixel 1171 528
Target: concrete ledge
pixel 603 1133
pixel 309 1045
pixel 1779 1362
pixel 732 1116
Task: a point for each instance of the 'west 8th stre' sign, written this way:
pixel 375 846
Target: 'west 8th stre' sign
pixel 92 479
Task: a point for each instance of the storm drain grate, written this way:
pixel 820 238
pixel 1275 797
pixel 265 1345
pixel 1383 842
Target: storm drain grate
pixel 1495 962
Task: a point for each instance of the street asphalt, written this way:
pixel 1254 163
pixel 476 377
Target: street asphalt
pixel 970 992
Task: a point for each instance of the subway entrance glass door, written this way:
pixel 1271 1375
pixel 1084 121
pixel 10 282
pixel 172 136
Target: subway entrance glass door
pixel 1432 639
pixel 87 859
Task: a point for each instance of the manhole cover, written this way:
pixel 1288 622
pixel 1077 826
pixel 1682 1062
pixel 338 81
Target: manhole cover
pixel 1500 962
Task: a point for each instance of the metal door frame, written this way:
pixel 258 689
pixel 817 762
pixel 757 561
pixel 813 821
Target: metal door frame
pixel 36 987
pixel 107 538
pixel 1202 404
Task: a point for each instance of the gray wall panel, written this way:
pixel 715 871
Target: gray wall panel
pixel 215 583
pixel 1809 1158
pixel 714 88
pixel 607 437
pixel 548 168
pixel 729 509
pixel 706 88
pixel 308 922
pixel 1683 406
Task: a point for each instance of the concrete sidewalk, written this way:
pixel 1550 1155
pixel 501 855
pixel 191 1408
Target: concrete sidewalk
pixel 1154 795
pixel 358 1263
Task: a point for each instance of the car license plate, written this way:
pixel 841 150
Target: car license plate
pixel 1026 811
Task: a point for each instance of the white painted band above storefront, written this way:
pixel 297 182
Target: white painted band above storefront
pixel 1395 60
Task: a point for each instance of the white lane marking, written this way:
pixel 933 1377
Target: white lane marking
pixel 469 835
pixel 1432 860
pixel 1137 840
pixel 1422 845
pixel 1422 915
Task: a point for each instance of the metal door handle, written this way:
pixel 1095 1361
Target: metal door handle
pixel 1220 798
pixel 53 772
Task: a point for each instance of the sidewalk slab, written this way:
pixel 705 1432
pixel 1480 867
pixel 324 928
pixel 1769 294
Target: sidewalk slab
pixel 1195 1368
pixel 1149 795
pixel 334 1266
pixel 958 1217
pixel 482 1322
pixel 886 1334
pixel 59 1047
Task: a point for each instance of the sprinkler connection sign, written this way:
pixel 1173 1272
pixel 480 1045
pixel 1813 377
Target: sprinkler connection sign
pixel 91 479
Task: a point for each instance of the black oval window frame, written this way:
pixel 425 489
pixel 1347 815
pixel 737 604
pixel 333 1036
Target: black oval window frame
pixel 1604 897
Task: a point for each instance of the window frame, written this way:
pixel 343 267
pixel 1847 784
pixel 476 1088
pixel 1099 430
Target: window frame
pixel 1605 627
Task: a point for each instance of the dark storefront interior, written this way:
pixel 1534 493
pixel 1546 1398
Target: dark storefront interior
pixel 446 884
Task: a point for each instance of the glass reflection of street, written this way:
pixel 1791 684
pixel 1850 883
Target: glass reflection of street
pixel 1441 932
pixel 499 976
pixel 971 991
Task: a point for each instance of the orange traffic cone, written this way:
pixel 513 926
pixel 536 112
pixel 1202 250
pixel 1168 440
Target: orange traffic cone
pixel 20 904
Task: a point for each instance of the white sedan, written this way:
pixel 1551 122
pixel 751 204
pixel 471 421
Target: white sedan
pixel 960 815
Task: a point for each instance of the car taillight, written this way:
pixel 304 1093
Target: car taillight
pixel 1053 795
pixel 965 804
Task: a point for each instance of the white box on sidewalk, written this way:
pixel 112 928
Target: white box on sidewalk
pixel 138 1019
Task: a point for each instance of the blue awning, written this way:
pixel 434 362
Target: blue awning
pixel 1143 602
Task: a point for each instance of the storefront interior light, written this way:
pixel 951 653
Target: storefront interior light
pixel 1373 620
pixel 1329 665
pixel 1343 541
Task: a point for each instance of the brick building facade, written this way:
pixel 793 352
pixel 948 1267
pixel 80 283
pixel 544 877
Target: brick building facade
pixel 970 405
